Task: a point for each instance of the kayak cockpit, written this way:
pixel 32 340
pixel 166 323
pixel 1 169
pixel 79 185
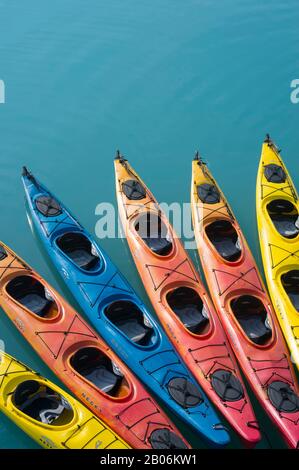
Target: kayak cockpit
pixel 97 368
pixel 189 308
pixel 129 319
pixel 80 250
pixel 154 233
pixel 42 404
pixel 290 283
pixel 33 295
pixel 285 217
pixel 225 239
pixel 252 316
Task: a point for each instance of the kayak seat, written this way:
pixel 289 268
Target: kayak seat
pixel 133 329
pixel 153 232
pixel 255 328
pixel 31 294
pixel 102 378
pixel 36 304
pixel 48 206
pixel 252 317
pixel 225 239
pixel 274 173
pixel 44 409
pixel 160 246
pixel 286 225
pixel 208 193
pixel 189 308
pixel 127 317
pixel 294 298
pixel 24 390
pixel 133 190
pixel 188 317
pixel 285 217
pixel 290 283
pixel 41 403
pixel 79 249
pixel 97 368
pixel 83 259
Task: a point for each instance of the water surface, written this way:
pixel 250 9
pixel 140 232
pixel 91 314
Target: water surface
pixel 156 79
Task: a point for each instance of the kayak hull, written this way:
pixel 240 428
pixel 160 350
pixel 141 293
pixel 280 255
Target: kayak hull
pixel 265 365
pixel 157 365
pixel 279 253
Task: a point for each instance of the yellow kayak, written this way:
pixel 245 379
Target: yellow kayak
pixel 50 416
pixel 277 208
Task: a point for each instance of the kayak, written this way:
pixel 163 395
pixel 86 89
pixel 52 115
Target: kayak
pixel 116 312
pixel 181 302
pixel 277 209
pixel 74 352
pixel 243 303
pixel 49 415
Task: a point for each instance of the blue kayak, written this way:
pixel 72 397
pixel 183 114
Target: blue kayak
pixel 117 313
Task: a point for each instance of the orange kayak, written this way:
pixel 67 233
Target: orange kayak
pixel 181 302
pixel 243 304
pixel 75 353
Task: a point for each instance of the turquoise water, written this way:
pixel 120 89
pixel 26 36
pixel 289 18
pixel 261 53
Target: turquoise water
pixel 156 79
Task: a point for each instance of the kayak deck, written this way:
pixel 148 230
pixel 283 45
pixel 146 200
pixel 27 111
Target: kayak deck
pixel 277 216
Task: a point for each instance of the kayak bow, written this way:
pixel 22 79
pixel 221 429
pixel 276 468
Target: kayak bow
pixel 243 304
pixel 277 208
pixel 50 416
pixel 80 359
pixel 117 313
pixel 181 301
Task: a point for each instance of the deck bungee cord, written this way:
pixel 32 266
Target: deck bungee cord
pixel 73 350
pixel 50 416
pixel 181 301
pixel 117 314
pixel 243 304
